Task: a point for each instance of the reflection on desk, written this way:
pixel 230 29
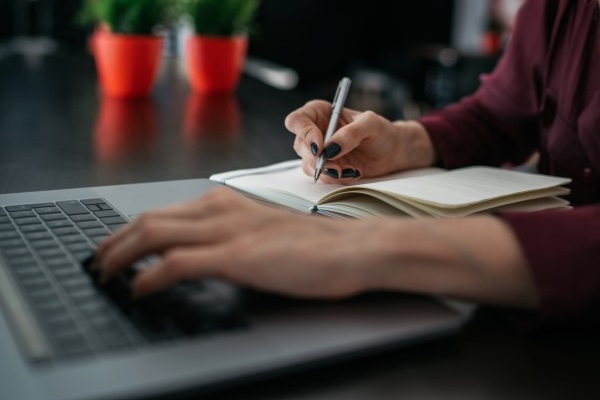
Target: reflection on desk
pixel 212 118
pixel 124 128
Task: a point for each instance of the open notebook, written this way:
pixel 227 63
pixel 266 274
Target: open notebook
pixel 423 192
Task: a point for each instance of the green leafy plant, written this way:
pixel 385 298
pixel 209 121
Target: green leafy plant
pixel 220 17
pixel 132 17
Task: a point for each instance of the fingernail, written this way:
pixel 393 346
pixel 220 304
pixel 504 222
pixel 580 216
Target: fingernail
pixel 314 149
pixel 332 173
pixel 332 150
pixel 348 173
pixel 357 174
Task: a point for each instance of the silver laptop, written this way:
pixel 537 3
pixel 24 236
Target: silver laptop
pixel 62 337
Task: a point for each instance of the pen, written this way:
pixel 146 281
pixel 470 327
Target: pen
pixel 337 106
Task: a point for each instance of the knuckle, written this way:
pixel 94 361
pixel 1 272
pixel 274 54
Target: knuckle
pixel 174 263
pixel 316 103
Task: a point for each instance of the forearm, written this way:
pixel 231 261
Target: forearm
pixel 475 258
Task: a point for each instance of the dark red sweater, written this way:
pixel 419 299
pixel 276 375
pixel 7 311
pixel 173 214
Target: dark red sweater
pixel 544 95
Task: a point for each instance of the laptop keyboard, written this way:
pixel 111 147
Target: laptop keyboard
pixel 44 246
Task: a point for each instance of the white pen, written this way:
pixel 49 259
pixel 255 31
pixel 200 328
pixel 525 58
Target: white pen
pixel 337 106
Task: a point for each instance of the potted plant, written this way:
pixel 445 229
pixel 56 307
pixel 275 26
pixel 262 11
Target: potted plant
pixel 216 52
pixel 125 45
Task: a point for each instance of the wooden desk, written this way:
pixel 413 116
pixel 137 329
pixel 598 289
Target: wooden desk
pixel 57 132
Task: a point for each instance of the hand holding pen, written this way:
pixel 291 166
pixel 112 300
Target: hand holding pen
pixel 338 104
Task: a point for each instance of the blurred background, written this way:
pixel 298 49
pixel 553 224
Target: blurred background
pixel 405 57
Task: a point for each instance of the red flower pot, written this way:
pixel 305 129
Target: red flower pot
pixel 127 64
pixel 214 63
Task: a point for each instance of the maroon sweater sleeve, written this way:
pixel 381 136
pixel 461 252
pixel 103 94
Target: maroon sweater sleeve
pixel 500 123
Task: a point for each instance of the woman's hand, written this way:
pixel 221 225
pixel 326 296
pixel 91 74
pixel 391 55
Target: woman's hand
pixel 365 144
pixel 225 235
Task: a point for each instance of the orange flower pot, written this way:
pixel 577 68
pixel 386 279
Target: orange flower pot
pixel 127 64
pixel 214 63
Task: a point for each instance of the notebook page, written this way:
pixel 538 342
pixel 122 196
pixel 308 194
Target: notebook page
pixel 466 186
pixel 281 184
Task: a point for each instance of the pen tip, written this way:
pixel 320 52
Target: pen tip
pixel 317 174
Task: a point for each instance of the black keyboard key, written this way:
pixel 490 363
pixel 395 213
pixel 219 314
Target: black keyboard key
pixel 94 207
pixel 115 227
pixel 81 246
pixel 47 210
pixel 114 220
pixel 16 252
pixel 53 217
pixel 28 272
pixel 9 243
pixel 89 224
pixel 33 228
pixel 106 213
pixel 57 262
pixel 26 207
pixel 5 235
pixel 97 232
pixel 4 219
pixel 51 253
pixel 66 231
pixel 45 244
pixel 6 227
pixel 22 214
pixel 71 239
pixel 92 201
pixel 2 212
pixel 105 207
pixel 72 207
pixel 83 217
pixel 63 223
pixel 27 221
pixel 43 235
pixel 23 261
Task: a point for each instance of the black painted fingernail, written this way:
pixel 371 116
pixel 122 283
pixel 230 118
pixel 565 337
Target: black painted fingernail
pixel 357 174
pixel 332 150
pixel 314 149
pixel 348 173
pixel 332 173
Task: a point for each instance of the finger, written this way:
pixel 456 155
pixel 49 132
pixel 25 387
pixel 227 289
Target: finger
pixel 178 265
pixel 156 236
pixel 349 137
pixel 308 123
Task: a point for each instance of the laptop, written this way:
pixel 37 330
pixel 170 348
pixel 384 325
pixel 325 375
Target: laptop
pixel 63 337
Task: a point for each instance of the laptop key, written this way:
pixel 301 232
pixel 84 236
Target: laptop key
pixel 8 243
pixel 62 223
pixel 47 210
pixel 113 220
pixel 83 217
pixel 27 220
pixel 106 213
pixel 33 228
pixel 26 207
pixel 89 224
pixel 92 201
pixel 53 217
pixel 65 231
pixel 72 207
pixel 22 214
pixel 44 244
pixel 42 235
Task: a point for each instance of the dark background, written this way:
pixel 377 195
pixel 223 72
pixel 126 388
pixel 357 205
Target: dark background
pixel 320 39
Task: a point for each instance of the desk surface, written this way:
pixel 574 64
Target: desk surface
pixel 57 132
